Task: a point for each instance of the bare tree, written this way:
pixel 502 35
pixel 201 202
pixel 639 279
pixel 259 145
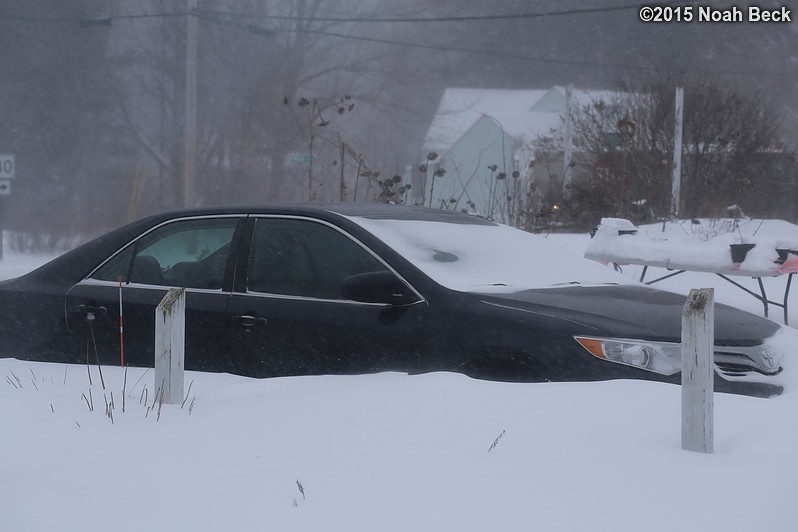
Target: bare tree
pixel 732 152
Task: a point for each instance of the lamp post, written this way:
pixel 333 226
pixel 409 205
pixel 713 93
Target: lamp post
pixel 676 177
pixel 626 127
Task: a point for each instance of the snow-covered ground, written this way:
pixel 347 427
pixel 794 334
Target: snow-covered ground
pixel 386 452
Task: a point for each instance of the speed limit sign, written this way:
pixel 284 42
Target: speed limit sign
pixel 7 166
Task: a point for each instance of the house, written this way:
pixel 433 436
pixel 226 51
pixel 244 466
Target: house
pixel 479 148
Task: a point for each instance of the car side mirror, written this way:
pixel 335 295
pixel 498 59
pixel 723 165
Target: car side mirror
pixel 377 287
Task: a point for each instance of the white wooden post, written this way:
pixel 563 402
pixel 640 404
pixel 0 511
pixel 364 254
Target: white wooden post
pixel 698 371
pixel 170 339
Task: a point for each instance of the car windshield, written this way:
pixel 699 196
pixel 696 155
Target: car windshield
pixel 486 257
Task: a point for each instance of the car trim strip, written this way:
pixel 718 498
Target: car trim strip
pixel 323 300
pixel 98 282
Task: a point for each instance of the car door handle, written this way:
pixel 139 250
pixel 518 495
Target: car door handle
pixel 92 311
pixel 249 322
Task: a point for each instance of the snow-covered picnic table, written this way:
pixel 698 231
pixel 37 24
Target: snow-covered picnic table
pixel 721 247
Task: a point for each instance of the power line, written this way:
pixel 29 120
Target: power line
pixel 213 16
pixel 502 54
pixel 461 18
pixel 92 20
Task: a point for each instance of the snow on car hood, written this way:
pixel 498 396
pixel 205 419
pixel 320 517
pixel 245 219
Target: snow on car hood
pixel 782 349
pixel 485 256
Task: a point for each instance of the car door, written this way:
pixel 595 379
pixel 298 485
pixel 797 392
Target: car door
pixel 196 253
pixel 287 315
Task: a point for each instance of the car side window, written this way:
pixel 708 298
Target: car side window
pixel 304 258
pixel 186 253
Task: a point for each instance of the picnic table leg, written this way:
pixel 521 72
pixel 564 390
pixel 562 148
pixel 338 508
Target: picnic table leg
pixel 761 297
pixel 764 295
pixel 786 297
pixel 643 274
pixel 658 279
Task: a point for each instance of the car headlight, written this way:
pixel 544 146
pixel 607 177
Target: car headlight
pixel 660 357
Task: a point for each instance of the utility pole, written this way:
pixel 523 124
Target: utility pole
pixel 676 181
pixel 190 135
pixel 569 147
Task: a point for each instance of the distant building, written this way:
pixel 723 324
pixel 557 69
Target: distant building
pixel 484 141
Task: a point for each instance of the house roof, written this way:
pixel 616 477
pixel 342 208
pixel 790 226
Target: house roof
pixel 522 114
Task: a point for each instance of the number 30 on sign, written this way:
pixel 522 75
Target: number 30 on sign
pixel 6 166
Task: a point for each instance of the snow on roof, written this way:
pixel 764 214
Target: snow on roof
pixel 460 109
pixel 522 114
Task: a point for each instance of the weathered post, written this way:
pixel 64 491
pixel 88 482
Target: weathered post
pixel 170 337
pixel 698 371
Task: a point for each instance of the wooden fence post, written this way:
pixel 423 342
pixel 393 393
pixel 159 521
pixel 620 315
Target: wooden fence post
pixel 170 339
pixel 698 371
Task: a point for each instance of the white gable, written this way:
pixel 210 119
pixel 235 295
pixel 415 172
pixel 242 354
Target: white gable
pixel 522 114
pixel 551 102
pixel 460 109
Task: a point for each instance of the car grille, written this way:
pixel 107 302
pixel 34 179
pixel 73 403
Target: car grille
pixel 739 364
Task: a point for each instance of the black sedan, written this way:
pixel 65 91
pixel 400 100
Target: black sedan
pixel 342 289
